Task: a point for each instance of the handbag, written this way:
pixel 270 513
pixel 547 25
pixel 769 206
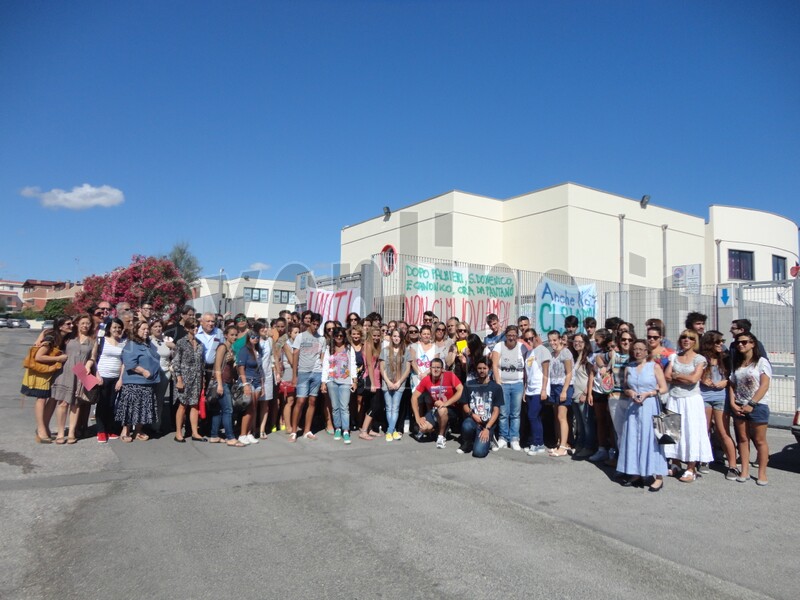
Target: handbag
pixel 89 396
pixel 239 399
pixel 607 380
pixel 212 397
pixel 667 426
pixel 30 362
pixel 286 388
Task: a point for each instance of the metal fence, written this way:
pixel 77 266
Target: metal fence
pixel 769 306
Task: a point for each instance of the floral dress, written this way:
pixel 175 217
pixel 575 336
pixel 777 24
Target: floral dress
pixel 189 364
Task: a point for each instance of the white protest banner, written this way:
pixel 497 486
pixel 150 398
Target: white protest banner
pixel 555 301
pixel 334 306
pixel 457 292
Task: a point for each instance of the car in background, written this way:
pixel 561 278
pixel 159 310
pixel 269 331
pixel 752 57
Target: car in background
pixel 47 324
pixel 18 324
pixel 3 322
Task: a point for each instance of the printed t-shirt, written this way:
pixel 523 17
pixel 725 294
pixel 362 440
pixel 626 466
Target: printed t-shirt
pixel 443 389
pixel 512 362
pixel 747 380
pixel 309 349
pixel 482 398
pixel 539 355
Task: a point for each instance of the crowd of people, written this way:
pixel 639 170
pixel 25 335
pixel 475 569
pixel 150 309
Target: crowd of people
pixel 591 394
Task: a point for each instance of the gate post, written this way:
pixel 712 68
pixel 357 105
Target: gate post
pixel 796 340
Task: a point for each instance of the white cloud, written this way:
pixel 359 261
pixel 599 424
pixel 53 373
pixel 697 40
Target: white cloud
pixel 79 198
pixel 260 266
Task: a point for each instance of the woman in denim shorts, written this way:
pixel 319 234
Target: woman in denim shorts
pixel 714 389
pixel 749 404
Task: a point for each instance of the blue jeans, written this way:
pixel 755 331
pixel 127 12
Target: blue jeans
pixel 535 419
pixel 339 394
pixel 392 400
pixel 584 425
pixel 223 414
pixel 509 412
pixel 470 438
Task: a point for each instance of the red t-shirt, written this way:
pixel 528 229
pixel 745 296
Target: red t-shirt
pixel 443 389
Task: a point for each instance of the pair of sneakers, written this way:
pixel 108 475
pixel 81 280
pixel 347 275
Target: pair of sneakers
pixel 502 443
pixel 338 435
pixel 392 437
pixel 248 439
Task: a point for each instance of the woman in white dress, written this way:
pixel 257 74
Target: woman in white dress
pixel 683 373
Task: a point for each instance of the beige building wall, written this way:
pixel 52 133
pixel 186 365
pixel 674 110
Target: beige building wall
pixel 762 233
pixel 574 229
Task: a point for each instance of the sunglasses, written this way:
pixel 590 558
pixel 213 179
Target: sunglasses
pixel 686 337
pixel 722 341
pixel 625 339
pixel 99 313
pixel 742 342
pixel 413 331
pixel 441 329
pixel 653 337
pixel 339 335
pixel 461 330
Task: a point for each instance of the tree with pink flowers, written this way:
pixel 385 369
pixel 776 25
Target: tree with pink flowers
pixel 146 279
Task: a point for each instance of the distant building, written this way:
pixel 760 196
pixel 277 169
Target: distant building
pixel 36 292
pixel 253 296
pixel 11 294
pixel 583 232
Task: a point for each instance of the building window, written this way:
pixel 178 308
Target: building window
pixel 778 268
pixel 256 295
pixel 280 297
pixel 740 265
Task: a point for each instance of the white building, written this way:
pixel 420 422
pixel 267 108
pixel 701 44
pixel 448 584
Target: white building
pixel 253 296
pixel 583 232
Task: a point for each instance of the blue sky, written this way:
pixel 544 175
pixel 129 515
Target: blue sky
pixel 257 130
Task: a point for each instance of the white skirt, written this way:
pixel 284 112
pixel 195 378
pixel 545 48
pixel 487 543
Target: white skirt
pixel 694 445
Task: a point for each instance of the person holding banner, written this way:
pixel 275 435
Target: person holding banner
pixel 508 363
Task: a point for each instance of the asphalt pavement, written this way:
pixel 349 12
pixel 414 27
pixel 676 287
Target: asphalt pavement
pixel 319 519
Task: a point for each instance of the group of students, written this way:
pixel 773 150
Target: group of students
pixel 588 394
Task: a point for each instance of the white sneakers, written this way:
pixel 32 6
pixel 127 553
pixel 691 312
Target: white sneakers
pixel 501 443
pixel 515 446
pixel 532 450
pixel 248 439
pixel 441 442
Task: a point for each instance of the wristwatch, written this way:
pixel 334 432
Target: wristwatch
pixel 752 404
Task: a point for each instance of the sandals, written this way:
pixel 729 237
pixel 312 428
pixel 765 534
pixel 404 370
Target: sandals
pixel 263 435
pixel 292 437
pixel 61 441
pixel 214 440
pixel 688 476
pixel 234 443
pixel 142 437
pixel 43 440
pixel 365 436
pixel 557 452
pixel 72 440
pixel 126 438
pixel 309 436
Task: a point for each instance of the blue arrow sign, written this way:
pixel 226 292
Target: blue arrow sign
pixel 724 296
